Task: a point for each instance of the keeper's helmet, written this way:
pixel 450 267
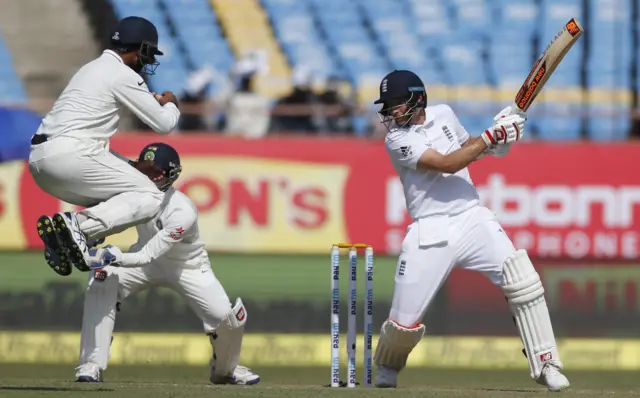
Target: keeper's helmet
pixel 161 163
pixel 397 89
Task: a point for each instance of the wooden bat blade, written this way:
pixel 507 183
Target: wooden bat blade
pixel 547 63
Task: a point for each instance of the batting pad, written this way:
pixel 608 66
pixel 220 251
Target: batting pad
pixel 98 319
pixel 523 289
pixel 227 340
pixel 396 343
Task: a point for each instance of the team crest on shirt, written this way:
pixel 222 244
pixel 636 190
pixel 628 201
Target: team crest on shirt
pixel 447 132
pixel 406 151
pixel 176 234
pixel 402 268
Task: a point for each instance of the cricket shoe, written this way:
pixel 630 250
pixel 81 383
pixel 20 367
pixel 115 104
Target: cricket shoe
pixel 553 379
pixel 242 375
pixel 54 253
pixel 386 377
pixel 73 239
pixel 89 373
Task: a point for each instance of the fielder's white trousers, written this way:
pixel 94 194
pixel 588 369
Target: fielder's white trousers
pixel 85 173
pixel 433 246
pixel 199 287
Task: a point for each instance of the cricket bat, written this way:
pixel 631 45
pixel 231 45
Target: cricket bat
pixel 547 63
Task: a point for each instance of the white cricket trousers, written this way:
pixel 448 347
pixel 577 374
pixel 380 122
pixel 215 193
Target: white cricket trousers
pixel 85 173
pixel 199 287
pixel 433 246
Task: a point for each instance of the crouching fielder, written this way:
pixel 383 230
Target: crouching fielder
pixel 430 151
pixel 168 253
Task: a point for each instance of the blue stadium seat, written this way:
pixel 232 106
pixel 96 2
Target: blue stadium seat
pixel 172 78
pixel 464 64
pixel 558 128
pixel 515 18
pixel 610 36
pixel 142 8
pixel 472 17
pixel 611 128
pixel 11 87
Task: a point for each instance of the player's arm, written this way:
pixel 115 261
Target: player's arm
pixel 133 93
pixel 461 133
pixel 178 223
pixel 466 143
pixel 432 160
pixel 412 151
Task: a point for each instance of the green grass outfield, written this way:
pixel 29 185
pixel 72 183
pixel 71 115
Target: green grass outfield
pixel 303 277
pixel 30 381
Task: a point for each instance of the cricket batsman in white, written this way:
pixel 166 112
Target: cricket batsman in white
pixel 70 157
pixel 430 151
pixel 169 252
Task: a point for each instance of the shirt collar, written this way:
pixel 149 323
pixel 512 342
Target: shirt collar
pixel 114 55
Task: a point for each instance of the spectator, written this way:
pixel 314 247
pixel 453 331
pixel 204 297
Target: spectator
pixel 340 123
pixel 302 95
pixel 194 99
pixel 248 113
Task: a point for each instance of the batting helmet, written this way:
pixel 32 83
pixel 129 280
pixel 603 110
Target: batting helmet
pixel 138 34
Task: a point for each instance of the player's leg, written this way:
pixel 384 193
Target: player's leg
pixel 119 195
pixel 223 323
pixel 105 290
pixel 420 272
pixel 484 247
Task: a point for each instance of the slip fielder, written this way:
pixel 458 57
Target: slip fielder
pixel 430 151
pixel 170 253
pixel 70 157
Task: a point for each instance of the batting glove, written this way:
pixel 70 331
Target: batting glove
pixel 505 130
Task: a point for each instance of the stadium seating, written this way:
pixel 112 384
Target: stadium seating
pixel 472 54
pixel 609 69
pixel 561 102
pixel 11 89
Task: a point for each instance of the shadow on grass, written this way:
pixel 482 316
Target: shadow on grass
pixel 44 388
pixel 508 390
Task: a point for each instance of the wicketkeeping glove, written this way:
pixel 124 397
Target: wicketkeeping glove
pixel 106 256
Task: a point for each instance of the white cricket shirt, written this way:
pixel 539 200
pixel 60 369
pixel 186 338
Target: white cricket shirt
pixel 89 105
pixel 429 192
pixel 171 237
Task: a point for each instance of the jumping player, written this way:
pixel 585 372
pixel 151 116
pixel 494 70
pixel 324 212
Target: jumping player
pixel 70 157
pixel 430 151
pixel 169 252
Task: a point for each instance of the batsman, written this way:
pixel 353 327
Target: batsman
pixel 430 151
pixel 169 253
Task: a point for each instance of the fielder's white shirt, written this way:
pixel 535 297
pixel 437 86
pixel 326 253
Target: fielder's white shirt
pixel 89 106
pixel 429 192
pixel 171 237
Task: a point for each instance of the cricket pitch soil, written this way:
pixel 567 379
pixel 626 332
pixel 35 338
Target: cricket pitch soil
pixel 27 381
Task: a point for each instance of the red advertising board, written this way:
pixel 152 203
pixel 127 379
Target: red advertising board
pixel 556 200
